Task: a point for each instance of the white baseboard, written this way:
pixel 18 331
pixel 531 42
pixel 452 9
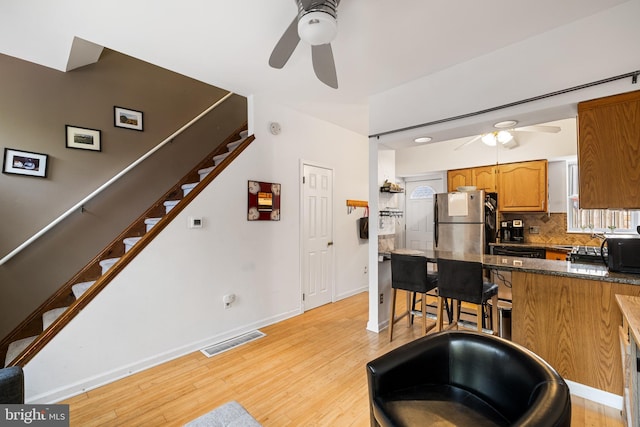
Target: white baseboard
pixel 595 395
pixel 351 293
pixel 71 390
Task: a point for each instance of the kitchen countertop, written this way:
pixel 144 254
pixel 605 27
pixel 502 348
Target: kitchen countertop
pixel 533 265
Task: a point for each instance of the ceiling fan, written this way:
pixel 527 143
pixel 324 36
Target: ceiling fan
pixel 505 134
pixel 317 25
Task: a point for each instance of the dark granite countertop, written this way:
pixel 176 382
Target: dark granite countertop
pixel 534 265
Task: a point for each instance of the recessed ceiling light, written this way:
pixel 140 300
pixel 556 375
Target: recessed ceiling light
pixel 505 124
pixel 423 139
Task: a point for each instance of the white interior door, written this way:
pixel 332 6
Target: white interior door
pixel 317 212
pixel 419 212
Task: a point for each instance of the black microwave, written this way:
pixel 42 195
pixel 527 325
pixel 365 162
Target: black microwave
pixel 624 253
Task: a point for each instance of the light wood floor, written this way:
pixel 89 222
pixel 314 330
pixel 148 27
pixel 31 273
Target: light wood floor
pixel 307 371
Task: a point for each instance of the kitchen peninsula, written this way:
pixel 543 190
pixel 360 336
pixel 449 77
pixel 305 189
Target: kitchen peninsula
pixel 565 312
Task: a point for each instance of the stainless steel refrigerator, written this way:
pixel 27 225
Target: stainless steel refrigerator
pixel 464 222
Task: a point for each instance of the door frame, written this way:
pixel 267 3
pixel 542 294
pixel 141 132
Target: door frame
pixel 302 165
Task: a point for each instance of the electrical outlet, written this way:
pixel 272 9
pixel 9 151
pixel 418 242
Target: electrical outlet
pixel 228 300
pixel 381 298
pixel 365 269
pixel 534 229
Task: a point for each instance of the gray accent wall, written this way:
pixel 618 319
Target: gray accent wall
pixel 36 104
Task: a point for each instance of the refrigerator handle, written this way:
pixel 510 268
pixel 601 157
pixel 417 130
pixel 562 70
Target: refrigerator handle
pixel 435 222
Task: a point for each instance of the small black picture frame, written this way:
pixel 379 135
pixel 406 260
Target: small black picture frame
pixel 20 162
pixel 83 138
pixel 127 118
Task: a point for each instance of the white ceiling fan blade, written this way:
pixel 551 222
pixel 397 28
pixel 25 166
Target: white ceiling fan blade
pixel 469 142
pixel 539 128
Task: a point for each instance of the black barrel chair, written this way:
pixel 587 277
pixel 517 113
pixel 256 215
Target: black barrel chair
pixel 466 378
pixel 11 385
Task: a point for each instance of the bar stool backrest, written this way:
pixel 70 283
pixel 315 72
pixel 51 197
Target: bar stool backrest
pixel 460 280
pixel 409 272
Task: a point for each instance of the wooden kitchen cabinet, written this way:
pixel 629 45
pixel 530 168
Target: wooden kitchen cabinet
pixel 457 178
pixel 484 177
pixel 522 187
pixel 608 152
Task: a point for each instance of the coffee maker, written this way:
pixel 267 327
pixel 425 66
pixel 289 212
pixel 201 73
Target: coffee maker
pixel 517 231
pixel 506 230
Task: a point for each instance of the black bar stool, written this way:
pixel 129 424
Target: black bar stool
pixel 463 281
pixel 409 273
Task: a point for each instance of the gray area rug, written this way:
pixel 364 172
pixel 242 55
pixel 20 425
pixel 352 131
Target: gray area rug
pixel 230 414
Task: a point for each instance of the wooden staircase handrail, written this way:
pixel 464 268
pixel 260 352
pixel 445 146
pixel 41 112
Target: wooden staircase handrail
pixel 99 190
pixel 100 283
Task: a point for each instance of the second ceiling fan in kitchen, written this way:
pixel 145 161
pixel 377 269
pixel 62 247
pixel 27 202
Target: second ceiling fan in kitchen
pixel 505 134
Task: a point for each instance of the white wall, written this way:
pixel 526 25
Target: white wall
pixel 168 301
pixel 587 50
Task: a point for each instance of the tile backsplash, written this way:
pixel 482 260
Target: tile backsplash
pixel 553 229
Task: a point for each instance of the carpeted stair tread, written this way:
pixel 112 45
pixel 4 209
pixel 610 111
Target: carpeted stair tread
pixel 170 204
pixel 79 288
pixel 233 145
pixel 50 316
pixel 220 157
pixel 106 264
pixel 16 347
pixel 204 172
pixel 186 188
pixel 150 222
pixel 129 242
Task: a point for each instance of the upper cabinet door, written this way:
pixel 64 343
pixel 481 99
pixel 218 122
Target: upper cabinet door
pixel 484 178
pixel 609 152
pixel 458 178
pixel 522 187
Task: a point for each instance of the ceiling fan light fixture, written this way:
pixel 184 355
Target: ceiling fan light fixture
pixel 423 139
pixel 504 136
pixel 505 124
pixel 317 28
pixel 489 139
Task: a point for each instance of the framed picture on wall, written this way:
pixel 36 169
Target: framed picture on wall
pixel 129 119
pixel 264 201
pixel 25 163
pixel 83 138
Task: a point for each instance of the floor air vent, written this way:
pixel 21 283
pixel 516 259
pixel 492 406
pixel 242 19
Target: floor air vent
pixel 223 346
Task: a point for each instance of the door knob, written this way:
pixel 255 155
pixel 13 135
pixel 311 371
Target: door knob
pixel 329 243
